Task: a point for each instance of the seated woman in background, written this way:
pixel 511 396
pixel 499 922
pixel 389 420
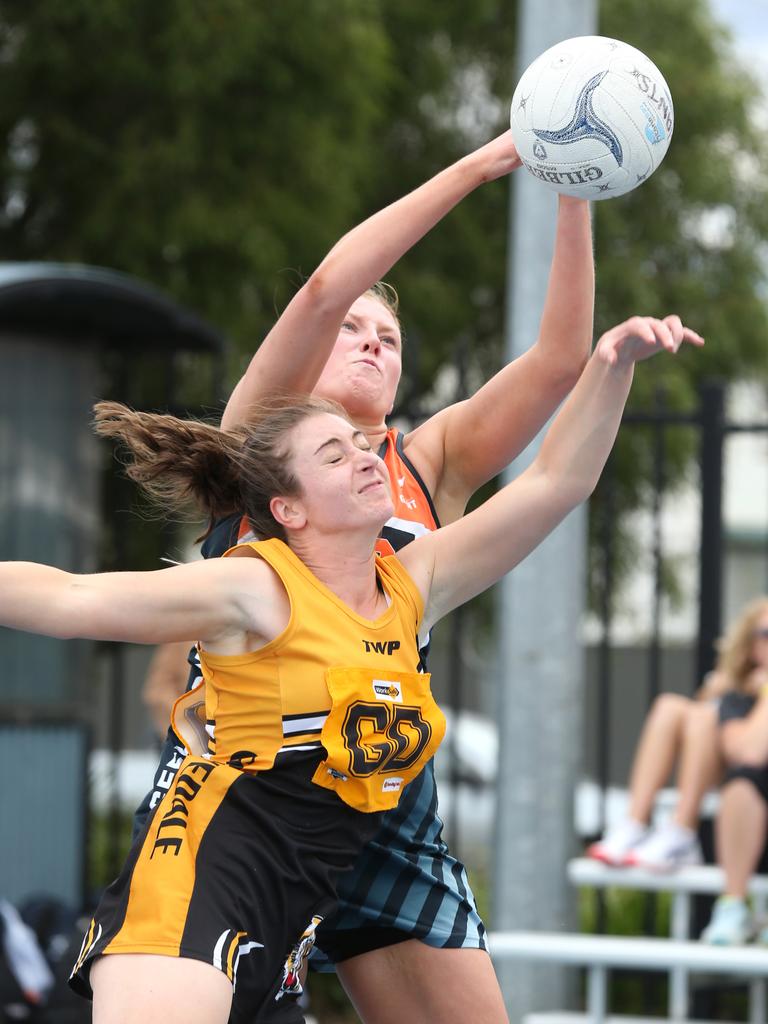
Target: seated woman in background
pixel 682 732
pixel 741 825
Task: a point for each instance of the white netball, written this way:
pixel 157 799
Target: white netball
pixel 592 117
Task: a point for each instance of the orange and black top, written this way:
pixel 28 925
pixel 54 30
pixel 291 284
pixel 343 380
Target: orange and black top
pixel 414 512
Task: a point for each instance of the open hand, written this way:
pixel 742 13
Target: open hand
pixel 641 337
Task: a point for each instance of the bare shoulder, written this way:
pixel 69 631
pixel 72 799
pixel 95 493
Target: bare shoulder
pixel 247 567
pixel 252 584
pixel 423 446
pixel 242 577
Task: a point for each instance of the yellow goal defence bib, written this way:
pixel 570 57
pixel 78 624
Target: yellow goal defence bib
pixel 381 730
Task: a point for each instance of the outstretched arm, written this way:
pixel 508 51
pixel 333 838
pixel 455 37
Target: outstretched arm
pixel 467 444
pixel 457 562
pixel 211 600
pixel 295 351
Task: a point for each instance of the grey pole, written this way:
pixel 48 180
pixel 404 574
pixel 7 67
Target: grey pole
pixel 540 608
pixel 49 508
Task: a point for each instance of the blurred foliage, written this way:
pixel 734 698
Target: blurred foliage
pixel 692 240
pixel 109 840
pixel 217 149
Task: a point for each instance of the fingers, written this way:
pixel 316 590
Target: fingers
pixel 640 327
pixel 642 336
pixel 669 333
pixel 674 323
pixel 680 333
pixel 665 336
pixel 690 337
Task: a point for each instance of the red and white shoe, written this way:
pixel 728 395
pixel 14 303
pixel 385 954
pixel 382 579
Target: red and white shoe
pixel 667 848
pixel 616 846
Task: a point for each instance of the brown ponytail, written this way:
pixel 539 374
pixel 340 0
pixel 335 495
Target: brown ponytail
pixel 223 472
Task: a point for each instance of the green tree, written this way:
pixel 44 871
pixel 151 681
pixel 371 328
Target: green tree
pixel 205 147
pixel 690 240
pixel 217 149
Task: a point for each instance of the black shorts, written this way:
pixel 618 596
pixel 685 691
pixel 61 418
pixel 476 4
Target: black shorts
pixel 236 870
pixel 738 705
pixel 758 776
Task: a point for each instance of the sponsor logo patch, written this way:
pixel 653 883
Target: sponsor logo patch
pixel 384 689
pixel 391 785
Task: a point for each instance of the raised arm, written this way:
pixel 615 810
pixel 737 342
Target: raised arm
pixel 294 352
pixel 467 444
pixel 458 561
pixel 216 600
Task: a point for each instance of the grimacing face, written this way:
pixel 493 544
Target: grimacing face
pixel 343 484
pixel 363 370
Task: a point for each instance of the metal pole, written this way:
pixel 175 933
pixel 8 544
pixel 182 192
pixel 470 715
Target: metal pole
pixel 711 558
pixel 539 653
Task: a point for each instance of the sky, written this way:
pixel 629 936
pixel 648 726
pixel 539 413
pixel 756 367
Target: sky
pixel 748 19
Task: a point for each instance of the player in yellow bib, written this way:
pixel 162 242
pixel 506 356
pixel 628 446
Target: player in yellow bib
pixel 407 939
pixel 240 859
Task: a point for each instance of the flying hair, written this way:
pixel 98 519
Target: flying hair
pixel 181 462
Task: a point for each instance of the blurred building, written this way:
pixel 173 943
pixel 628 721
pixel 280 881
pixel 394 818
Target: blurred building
pixel 69 335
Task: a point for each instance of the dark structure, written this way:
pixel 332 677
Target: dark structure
pixel 69 335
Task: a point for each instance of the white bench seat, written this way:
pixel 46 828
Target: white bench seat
pixel 566 1017
pixel 598 953
pixel 682 885
pixel 628 951
pixel 705 879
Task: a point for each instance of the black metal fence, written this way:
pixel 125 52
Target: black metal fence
pixel 712 430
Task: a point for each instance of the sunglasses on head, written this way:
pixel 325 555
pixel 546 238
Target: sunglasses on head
pixel 761 633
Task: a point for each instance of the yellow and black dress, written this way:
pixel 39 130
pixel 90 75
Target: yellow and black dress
pixel 308 740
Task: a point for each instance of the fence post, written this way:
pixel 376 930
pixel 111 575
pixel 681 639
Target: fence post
pixel 711 556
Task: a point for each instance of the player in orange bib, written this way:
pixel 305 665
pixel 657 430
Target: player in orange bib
pixel 316 714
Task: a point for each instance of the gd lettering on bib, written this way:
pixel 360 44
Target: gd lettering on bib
pixel 382 729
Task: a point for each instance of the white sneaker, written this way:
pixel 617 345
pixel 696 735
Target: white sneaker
pixel 617 843
pixel 730 924
pixel 667 848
